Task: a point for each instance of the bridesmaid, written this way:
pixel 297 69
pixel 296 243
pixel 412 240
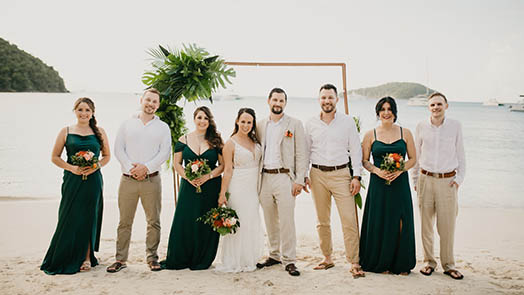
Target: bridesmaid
pixel 77 233
pixel 387 242
pixel 193 244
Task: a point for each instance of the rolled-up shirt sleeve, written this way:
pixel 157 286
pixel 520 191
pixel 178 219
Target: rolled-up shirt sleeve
pixel 164 151
pixel 461 157
pixel 355 148
pixel 120 149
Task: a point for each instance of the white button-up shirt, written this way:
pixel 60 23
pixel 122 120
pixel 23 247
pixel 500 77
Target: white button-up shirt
pixel 332 144
pixel 274 133
pixel 148 144
pixel 440 149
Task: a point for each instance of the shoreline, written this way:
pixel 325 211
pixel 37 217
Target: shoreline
pixel 488 251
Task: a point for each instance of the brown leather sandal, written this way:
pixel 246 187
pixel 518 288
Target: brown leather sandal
pixel 116 267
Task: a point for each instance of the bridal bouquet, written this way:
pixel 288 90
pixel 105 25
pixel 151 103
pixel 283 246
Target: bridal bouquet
pixel 85 159
pixel 222 219
pixel 197 169
pixel 392 162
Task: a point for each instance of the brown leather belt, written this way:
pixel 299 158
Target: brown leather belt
pixel 275 171
pixel 148 176
pixel 329 168
pixel 438 175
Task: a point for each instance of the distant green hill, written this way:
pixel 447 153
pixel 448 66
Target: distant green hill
pixel 394 89
pixel 22 72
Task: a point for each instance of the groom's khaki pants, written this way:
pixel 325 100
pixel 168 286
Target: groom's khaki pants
pixel 150 193
pixel 337 184
pixel 279 214
pixel 436 197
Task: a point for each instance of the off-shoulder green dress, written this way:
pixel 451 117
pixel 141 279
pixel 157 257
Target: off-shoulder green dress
pixel 193 244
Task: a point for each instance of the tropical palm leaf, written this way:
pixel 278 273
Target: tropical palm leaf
pixel 190 73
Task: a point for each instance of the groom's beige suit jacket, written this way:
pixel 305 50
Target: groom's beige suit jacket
pixel 292 148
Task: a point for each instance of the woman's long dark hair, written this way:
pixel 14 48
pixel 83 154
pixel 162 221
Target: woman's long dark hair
pixel 253 132
pixel 212 136
pixel 92 121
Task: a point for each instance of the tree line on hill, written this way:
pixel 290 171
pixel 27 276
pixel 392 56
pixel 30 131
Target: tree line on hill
pixel 400 90
pixel 22 72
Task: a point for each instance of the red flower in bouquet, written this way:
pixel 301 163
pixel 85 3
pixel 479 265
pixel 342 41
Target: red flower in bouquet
pixel 197 169
pixel 223 220
pixel 392 162
pixel 85 159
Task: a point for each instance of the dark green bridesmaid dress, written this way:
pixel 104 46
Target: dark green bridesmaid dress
pixel 79 215
pixel 193 244
pixel 383 245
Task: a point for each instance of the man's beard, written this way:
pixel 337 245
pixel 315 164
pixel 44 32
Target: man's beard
pixel 275 111
pixel 149 111
pixel 328 108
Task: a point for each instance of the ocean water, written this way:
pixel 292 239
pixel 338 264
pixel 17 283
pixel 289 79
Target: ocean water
pixel 30 122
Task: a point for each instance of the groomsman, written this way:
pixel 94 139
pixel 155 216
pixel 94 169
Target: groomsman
pixel 142 144
pixel 282 179
pixel 332 139
pixel 438 175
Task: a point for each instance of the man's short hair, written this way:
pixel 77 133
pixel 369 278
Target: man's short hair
pixel 329 87
pixel 434 94
pixel 277 90
pixel 152 90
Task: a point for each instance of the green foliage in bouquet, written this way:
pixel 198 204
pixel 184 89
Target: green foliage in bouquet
pixel 222 219
pixel 191 73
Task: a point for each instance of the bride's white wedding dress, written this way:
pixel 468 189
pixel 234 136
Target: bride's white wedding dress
pixel 241 251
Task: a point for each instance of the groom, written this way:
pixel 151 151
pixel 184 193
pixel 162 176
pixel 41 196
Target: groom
pixel 282 179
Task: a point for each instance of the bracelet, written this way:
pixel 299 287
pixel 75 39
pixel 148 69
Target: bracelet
pixel 210 174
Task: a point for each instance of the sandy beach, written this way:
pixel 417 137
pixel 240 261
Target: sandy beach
pixel 489 252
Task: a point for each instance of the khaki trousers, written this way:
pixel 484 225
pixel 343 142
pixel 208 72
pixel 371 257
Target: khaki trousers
pixel 279 214
pixel 437 198
pixel 150 193
pixel 337 184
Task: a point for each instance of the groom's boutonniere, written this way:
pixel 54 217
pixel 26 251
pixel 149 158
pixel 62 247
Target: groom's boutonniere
pixel 288 134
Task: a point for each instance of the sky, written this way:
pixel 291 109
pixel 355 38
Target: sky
pixel 469 50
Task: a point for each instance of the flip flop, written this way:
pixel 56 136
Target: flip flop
pixel 454 274
pixel 324 265
pixel 427 270
pixel 154 266
pixel 116 267
pixel 86 266
pixel 357 272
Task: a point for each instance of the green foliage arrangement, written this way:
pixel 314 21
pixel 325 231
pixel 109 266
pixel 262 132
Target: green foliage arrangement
pixel 191 73
pixel 22 72
pixel 394 89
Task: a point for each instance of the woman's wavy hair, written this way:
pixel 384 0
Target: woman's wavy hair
pixel 92 121
pixel 212 135
pixel 253 132
pixel 392 104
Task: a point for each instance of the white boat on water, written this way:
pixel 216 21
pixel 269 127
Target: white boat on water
pixel 226 96
pixel 519 106
pixel 420 100
pixel 492 103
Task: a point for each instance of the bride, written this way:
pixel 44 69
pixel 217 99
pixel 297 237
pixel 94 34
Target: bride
pixel 242 153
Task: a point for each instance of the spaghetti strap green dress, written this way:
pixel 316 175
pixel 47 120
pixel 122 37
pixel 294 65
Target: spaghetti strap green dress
pixel 384 246
pixel 193 244
pixel 79 214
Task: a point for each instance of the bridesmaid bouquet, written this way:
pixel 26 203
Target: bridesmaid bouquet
pixel 223 220
pixel 197 169
pixel 85 159
pixel 392 162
